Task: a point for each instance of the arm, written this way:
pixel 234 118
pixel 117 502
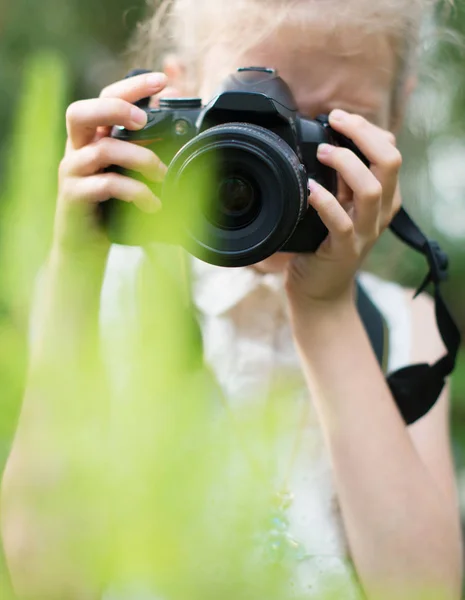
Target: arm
pixel 48 516
pixel 395 485
pixel 38 514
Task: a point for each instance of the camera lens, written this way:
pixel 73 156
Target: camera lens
pixel 240 191
pixel 236 196
pixel 237 204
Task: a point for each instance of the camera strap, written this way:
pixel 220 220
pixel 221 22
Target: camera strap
pixel 416 388
pixel 373 323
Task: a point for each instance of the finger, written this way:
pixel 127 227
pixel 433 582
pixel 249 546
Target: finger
pixel 376 144
pixel 135 88
pixel 107 152
pixel 345 194
pixel 367 199
pixel 334 217
pixel 389 212
pixel 85 116
pixel 372 141
pixel 103 187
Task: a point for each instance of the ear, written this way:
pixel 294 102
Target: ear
pixel 401 101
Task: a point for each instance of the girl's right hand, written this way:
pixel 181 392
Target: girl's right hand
pixel 83 182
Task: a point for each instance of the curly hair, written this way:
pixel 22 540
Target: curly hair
pixel 189 28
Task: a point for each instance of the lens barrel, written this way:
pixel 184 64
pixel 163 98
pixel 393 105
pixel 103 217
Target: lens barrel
pixel 239 191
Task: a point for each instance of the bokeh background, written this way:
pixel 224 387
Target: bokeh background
pixel 55 51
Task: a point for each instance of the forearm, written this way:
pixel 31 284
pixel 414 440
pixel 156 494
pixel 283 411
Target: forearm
pixel 65 318
pixel 60 437
pixel 402 532
pixel 65 371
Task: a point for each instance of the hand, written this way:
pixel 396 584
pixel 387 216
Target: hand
pixel 326 277
pixel 83 182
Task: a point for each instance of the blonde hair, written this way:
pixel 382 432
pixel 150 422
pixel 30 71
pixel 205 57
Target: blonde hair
pixel 189 28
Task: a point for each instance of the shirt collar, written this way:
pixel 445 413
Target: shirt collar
pixel 217 290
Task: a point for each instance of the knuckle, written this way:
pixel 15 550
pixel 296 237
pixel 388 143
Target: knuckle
pixel 391 138
pixel 346 229
pixel 72 112
pixel 71 192
pixel 106 91
pixel 101 151
pixel 373 192
pixel 94 156
pixel 63 167
pixel 393 162
pixel 396 161
pixel 104 187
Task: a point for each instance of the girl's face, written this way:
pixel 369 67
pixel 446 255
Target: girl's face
pixel 324 72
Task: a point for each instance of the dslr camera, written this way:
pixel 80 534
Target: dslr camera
pixel 236 188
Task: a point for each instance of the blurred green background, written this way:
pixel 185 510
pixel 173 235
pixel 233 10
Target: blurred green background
pixel 81 44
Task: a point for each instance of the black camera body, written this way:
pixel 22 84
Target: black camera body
pixel 236 188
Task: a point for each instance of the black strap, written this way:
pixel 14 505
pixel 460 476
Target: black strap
pixel 416 388
pixel 373 322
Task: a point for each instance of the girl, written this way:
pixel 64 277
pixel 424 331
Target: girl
pixel 397 515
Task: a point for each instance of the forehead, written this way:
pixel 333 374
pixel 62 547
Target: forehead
pixel 326 71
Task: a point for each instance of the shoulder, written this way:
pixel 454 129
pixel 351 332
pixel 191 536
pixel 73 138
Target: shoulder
pixel 427 343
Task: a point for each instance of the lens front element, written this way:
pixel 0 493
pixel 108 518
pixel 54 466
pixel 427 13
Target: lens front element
pixel 238 203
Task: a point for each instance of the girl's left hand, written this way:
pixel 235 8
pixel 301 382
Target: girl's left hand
pixel 326 277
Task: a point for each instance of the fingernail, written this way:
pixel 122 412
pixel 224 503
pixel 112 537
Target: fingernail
pixel 155 80
pixel 338 115
pixel 138 117
pixel 313 186
pixel 325 149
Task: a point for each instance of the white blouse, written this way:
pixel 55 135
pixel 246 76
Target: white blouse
pixel 248 344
